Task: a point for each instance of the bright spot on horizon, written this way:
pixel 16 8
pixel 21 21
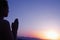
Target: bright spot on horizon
pixel 51 35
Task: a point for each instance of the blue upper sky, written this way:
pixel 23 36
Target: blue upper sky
pixel 35 15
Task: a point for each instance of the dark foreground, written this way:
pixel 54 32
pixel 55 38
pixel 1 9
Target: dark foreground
pixel 30 38
pixel 27 38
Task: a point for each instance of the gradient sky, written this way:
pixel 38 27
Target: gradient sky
pixel 35 16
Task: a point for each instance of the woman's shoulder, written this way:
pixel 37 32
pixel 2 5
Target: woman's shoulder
pixel 4 23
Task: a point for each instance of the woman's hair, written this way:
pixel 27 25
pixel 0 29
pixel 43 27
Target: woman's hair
pixel 3 7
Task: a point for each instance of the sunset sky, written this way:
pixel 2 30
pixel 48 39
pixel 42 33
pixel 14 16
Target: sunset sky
pixel 35 16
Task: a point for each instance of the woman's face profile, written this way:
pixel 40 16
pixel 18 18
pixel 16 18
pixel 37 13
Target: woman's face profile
pixel 4 9
pixel 6 12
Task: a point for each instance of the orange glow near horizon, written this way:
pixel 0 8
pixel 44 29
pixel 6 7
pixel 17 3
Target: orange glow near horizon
pixel 45 34
pixel 49 34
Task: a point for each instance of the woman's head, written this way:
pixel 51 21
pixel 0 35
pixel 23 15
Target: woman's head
pixel 3 8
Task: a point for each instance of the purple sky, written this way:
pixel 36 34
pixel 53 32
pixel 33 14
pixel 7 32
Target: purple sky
pixel 35 15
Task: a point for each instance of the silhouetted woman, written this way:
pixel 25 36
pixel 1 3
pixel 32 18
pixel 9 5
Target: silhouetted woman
pixel 5 32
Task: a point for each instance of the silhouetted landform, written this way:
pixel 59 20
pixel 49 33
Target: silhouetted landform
pixel 31 38
pixel 27 38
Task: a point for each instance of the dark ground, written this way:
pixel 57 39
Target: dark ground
pixel 27 38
